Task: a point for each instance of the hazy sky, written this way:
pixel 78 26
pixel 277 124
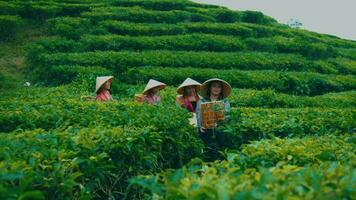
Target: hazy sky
pixel 335 17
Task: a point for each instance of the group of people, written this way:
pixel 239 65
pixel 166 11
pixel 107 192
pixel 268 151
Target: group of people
pixel 191 95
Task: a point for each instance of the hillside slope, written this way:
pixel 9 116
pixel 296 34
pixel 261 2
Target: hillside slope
pixel 292 128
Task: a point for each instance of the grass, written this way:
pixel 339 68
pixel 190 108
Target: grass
pixel 12 56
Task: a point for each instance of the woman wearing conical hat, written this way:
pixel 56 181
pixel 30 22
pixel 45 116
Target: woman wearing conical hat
pixel 213 90
pixel 102 88
pixel 151 92
pixel 188 94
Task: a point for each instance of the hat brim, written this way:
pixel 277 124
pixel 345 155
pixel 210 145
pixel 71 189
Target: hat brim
pixel 180 90
pixel 160 87
pixel 226 88
pixel 101 85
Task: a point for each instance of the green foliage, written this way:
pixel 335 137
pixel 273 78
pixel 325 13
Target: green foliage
pixel 248 124
pixel 144 28
pixel 56 143
pixel 271 99
pixel 137 14
pixel 254 17
pixel 68 27
pixel 299 151
pixel 9 26
pixel 67 112
pixel 193 42
pixel 291 45
pixel 160 4
pixel 42 10
pixel 289 178
pixel 58 75
pixel 268 98
pixel 299 83
pixel 217 60
pixel 86 162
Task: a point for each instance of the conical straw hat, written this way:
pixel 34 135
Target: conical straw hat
pixel 188 82
pixel 100 80
pixel 152 84
pixel 226 88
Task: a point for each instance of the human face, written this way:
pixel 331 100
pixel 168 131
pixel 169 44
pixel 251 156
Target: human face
pixel 107 85
pixel 216 88
pixel 190 90
pixel 154 91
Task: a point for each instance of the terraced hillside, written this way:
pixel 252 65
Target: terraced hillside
pixel 293 124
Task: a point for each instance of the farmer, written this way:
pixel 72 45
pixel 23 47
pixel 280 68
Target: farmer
pixel 151 92
pixel 213 90
pixel 102 88
pixel 188 97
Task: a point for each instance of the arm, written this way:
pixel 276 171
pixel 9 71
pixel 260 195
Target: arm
pixel 179 100
pixel 198 112
pixel 227 109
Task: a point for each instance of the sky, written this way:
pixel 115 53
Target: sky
pixel 334 17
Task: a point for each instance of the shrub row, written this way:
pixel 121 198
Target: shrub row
pixel 229 16
pixel 9 26
pixel 154 29
pixel 173 16
pixel 64 111
pixel 249 124
pixel 237 178
pixel 137 14
pixel 195 42
pixel 236 29
pixel 299 151
pixel 70 27
pixel 88 162
pixel 58 75
pixel 160 4
pixel 299 83
pixel 42 11
pixel 217 60
pixel 266 98
pixel 255 123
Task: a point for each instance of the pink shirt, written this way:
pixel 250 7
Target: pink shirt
pixel 104 96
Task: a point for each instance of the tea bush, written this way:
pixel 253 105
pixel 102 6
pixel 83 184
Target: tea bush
pixel 299 83
pixel 248 124
pixel 137 14
pixel 87 162
pixel 289 178
pixel 9 26
pixel 217 60
pixel 160 5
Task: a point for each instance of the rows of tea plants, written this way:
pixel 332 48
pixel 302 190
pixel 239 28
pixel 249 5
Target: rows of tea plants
pixel 300 83
pixel 191 42
pixel 117 60
pixel 66 27
pixel 43 10
pixel 255 122
pixel 66 147
pixel 306 168
pixel 161 4
pixel 9 25
pixel 266 98
pixel 89 149
pixel 290 133
pixel 139 14
pixel 87 163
